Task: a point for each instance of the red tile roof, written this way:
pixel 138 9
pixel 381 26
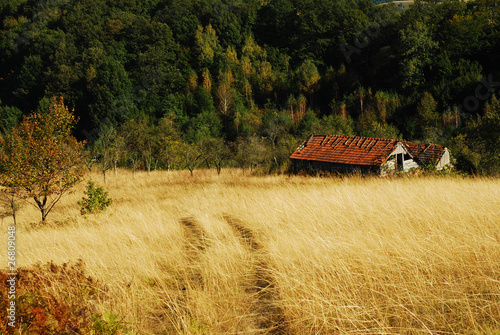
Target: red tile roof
pixel 357 150
pixel 425 153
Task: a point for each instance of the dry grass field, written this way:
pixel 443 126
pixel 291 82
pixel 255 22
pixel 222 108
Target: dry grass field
pixel 242 254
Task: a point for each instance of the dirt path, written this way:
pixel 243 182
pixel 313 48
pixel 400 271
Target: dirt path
pixel 268 316
pixel 196 244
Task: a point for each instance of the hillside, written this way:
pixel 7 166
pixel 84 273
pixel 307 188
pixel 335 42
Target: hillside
pixel 253 73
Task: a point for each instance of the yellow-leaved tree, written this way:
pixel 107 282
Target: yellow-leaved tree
pixel 40 160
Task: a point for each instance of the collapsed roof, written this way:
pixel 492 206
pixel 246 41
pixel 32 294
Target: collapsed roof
pixel 363 151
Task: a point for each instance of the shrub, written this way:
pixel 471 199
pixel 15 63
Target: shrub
pixel 96 199
pixel 58 299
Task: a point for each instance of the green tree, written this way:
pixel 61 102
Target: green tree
pixel 276 124
pixel 106 149
pixel 96 199
pixel 191 154
pixel 328 124
pixel 427 115
pixel 169 142
pixel 9 204
pixel 180 17
pixel 140 142
pixel 30 80
pixel 207 45
pixel 9 117
pixel 308 77
pixel 250 152
pixel 205 121
pixel 40 159
pixel 417 47
pixel 130 131
pixel 110 93
pixel 281 151
pixel 157 73
pixel 215 152
pixel 478 148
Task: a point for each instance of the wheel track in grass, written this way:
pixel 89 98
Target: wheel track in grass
pixel 195 234
pixel 196 244
pixel 269 317
pixel 174 314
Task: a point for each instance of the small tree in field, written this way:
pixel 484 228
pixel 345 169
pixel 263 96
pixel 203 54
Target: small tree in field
pixel 104 148
pixel 215 152
pixel 191 154
pixel 96 199
pixel 40 159
pixel 9 204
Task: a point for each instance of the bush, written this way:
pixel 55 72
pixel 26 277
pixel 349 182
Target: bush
pixel 96 199
pixel 57 299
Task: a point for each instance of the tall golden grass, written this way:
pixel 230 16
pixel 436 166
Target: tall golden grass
pixel 240 254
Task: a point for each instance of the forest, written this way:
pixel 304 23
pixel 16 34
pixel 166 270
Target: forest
pixel 177 84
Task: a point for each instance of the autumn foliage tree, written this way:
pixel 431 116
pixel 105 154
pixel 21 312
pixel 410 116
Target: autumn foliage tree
pixel 40 159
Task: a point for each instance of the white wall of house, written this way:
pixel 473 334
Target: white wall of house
pixel 445 160
pixel 410 164
pixel 391 164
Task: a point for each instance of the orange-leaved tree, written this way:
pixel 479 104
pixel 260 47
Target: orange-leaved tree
pixel 40 159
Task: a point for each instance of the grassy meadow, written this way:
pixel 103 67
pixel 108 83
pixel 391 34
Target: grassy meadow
pixel 240 254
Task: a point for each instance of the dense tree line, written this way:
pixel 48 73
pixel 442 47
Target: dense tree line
pixel 179 83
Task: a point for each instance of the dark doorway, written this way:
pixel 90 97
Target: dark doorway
pixel 400 162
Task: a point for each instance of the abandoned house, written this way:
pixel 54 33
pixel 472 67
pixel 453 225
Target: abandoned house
pixel 366 155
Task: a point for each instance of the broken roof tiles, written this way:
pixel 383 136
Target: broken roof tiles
pixel 358 150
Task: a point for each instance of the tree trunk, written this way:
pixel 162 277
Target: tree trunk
pixel 104 175
pixel 13 207
pixel 44 214
pixel 42 206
